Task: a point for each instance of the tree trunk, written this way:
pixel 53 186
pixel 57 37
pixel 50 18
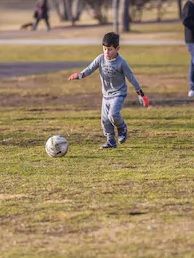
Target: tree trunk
pixel 60 9
pixel 179 2
pixel 115 15
pixel 78 7
pixel 124 16
pixel 68 9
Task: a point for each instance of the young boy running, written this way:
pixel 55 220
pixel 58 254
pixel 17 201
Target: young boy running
pixel 113 70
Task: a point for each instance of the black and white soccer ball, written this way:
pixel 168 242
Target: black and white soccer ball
pixel 56 146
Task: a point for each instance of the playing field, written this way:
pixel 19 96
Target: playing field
pixel 133 201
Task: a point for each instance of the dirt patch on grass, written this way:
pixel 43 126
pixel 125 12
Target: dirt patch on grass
pixel 83 101
pixel 41 91
pixel 11 196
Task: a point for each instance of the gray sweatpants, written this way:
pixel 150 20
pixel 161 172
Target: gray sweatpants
pixel 111 115
pixel 191 67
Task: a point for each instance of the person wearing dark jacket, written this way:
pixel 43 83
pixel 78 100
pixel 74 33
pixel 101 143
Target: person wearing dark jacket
pixel 188 22
pixel 41 13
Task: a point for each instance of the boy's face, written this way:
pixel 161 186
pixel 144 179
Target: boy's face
pixel 110 52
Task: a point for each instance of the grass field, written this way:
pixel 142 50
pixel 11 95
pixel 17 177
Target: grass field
pixel 133 201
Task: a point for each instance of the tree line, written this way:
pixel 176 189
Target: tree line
pixel 123 11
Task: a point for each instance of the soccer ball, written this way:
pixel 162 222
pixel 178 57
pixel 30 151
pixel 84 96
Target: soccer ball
pixel 56 146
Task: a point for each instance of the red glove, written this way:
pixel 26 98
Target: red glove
pixel 144 101
pixel 74 76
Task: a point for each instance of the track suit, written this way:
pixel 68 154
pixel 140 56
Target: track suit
pixel 114 90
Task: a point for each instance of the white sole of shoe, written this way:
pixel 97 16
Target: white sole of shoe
pixel 191 93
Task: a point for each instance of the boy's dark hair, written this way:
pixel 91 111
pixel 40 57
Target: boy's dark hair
pixel 111 39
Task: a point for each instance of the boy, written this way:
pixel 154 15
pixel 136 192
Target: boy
pixel 188 22
pixel 113 70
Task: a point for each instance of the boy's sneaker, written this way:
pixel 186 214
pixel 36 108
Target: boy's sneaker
pixel 109 144
pixel 122 135
pixel 191 93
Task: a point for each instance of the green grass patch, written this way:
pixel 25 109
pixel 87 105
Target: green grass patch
pixel 108 203
pixel 133 201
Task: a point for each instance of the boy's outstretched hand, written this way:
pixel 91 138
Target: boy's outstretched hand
pixel 144 100
pixel 74 76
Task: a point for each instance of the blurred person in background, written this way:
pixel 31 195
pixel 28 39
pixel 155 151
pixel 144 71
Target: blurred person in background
pixel 41 13
pixel 188 22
